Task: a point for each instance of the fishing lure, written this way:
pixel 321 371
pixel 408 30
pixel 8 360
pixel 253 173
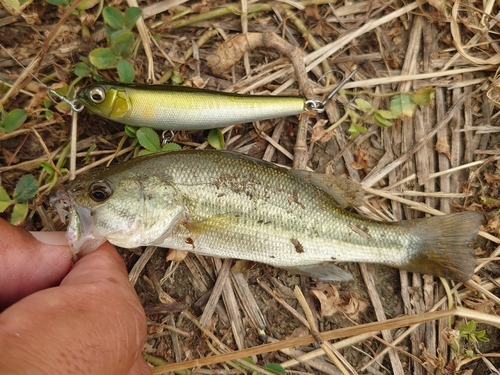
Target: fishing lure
pixel 165 107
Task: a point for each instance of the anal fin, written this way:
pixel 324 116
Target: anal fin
pixel 323 271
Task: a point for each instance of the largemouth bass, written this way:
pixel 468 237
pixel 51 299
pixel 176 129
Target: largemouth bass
pixel 166 107
pixel 225 204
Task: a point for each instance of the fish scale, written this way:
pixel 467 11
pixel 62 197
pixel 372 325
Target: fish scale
pixel 229 205
pixel 319 234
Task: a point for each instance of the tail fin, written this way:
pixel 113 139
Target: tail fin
pixel 444 245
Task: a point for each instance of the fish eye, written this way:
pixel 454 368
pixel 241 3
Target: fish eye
pixel 99 191
pixel 97 94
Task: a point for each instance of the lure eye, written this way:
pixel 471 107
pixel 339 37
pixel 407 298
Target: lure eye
pixel 99 191
pixel 97 94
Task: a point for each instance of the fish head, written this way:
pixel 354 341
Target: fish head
pixel 126 209
pixel 107 100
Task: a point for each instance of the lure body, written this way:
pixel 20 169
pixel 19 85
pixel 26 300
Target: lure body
pixel 165 107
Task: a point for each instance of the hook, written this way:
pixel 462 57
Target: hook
pixel 318 105
pixel 165 139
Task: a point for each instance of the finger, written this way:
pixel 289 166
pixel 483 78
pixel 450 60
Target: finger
pixel 28 265
pixel 97 266
pixel 97 326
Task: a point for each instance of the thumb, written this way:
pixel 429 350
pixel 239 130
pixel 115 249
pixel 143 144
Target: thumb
pixel 29 265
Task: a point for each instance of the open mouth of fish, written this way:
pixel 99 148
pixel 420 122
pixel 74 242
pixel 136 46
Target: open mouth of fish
pixel 80 235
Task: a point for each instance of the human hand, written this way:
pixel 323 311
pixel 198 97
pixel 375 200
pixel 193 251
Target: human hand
pixel 64 319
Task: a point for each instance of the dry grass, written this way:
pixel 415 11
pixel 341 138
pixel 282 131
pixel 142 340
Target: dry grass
pixel 443 159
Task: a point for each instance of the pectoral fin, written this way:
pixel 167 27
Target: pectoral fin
pixel 322 271
pixel 346 193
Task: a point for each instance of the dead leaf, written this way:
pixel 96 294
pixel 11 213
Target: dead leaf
pixel 440 5
pixel 491 178
pixel 493 226
pixel 328 298
pixel 176 255
pixel 443 147
pixel 361 157
pixel 241 266
pixel 431 359
pixel 312 11
pixel 331 302
pixel 319 132
pixel 479 304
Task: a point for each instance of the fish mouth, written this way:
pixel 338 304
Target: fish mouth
pixel 80 232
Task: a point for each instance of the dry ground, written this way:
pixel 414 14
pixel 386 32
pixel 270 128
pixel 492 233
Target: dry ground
pixel 443 159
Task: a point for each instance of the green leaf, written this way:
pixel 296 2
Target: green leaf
pixel 471 326
pixel 14 119
pixel 385 114
pixel 363 105
pixel 177 78
pixel 87 4
pixel 402 105
pixel 102 58
pixel 275 368
pixel 109 31
pixel 481 336
pixel 19 213
pixel 89 151
pixel 131 131
pixel 356 129
pixel 148 139
pixel 132 14
pixel 83 70
pixel 113 17
pixel 216 139
pixel 5 200
pixel 424 95
pixel 25 189
pixel 47 167
pixel 125 71
pixel 122 43
pixel 58 2
pixel 171 147
pixel 381 121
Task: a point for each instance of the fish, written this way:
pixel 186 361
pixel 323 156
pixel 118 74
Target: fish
pixel 230 205
pixel 165 107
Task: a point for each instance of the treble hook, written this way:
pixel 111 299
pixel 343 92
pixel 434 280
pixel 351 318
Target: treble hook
pixel 318 105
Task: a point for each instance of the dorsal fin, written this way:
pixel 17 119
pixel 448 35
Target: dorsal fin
pixel 346 193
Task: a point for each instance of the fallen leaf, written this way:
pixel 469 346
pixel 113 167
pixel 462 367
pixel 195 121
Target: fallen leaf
pixel 443 147
pixel 361 157
pixel 312 11
pixel 328 298
pixel 319 132
pixel 331 302
pixel 479 304
pixel 431 359
pixel 176 255
pixel 491 178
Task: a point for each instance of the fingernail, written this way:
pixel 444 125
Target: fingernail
pixel 51 238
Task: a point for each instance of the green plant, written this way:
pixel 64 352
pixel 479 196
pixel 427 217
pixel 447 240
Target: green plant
pixel 149 140
pixel 25 189
pixel 215 139
pixel 401 105
pixel 10 121
pixel 121 42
